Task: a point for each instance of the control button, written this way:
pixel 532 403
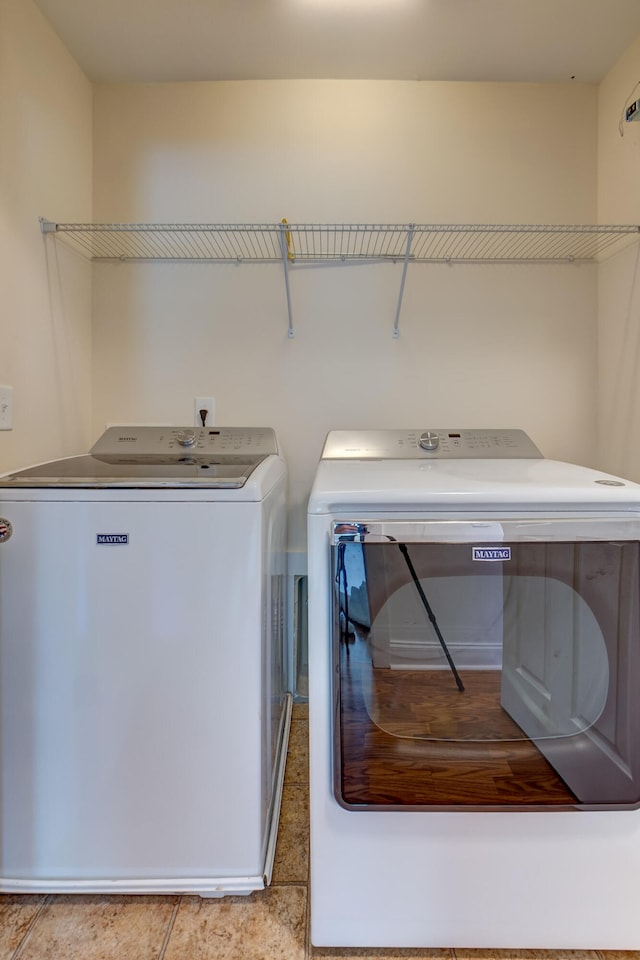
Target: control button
pixel 186 438
pixel 429 440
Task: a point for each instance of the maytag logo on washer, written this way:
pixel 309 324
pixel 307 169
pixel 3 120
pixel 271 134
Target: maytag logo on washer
pixel 491 553
pixel 111 539
pixel 5 530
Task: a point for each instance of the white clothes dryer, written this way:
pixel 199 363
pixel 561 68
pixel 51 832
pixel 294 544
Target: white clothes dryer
pixel 474 662
pixel 144 707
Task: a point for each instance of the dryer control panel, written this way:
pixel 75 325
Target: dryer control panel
pixel 428 444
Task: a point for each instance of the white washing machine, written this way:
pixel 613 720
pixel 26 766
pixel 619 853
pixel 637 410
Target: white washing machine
pixel 474 667
pixel 144 710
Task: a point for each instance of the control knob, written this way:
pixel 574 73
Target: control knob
pixel 186 438
pixel 429 440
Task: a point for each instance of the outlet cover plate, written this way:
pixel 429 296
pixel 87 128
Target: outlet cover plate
pixel 204 403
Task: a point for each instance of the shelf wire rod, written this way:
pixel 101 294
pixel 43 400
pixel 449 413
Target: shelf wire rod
pixel 397 241
pixel 252 243
pixel 138 245
pixel 608 240
pixel 393 247
pixel 496 246
pixel 361 237
pixel 205 245
pixel 426 241
pixel 271 244
pixel 518 245
pixel 598 244
pixel 396 323
pixel 158 243
pixel 352 241
pixel 550 246
pixel 232 244
pixel 299 240
pixel 471 245
pixel 385 245
pixel 174 244
pixel 336 240
pixel 375 243
pixel 225 239
pixel 217 243
pixel 285 264
pixel 448 245
pixel 351 248
pixel 271 241
pixel 310 242
pixel 345 241
pixel 264 243
pixel 318 243
pixel 382 243
pixel 324 241
pixel 247 243
pixel 244 242
pixel 89 241
pixel 106 244
pixel 483 245
pixel 199 240
pixel 82 243
pixel 127 245
pixel 574 247
pixel 221 242
pixel 369 243
pixel 620 239
pixel 208 241
pixel 355 241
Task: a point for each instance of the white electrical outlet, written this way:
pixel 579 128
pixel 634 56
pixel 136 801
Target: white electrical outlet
pixel 208 404
pixel 6 408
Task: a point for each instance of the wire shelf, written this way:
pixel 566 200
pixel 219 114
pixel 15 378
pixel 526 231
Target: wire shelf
pixel 309 243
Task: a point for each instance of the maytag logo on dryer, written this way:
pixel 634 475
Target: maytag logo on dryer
pixel 491 554
pixel 111 539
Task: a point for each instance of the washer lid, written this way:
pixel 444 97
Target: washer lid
pixel 141 471
pixel 370 486
pixel 222 457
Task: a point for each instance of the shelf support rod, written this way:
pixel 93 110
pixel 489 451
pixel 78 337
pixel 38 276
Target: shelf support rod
pixel 407 254
pixel 284 248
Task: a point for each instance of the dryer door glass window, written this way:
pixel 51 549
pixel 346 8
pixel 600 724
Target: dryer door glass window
pixel 487 664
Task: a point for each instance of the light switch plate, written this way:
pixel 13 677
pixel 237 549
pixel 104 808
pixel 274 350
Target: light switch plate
pixel 6 408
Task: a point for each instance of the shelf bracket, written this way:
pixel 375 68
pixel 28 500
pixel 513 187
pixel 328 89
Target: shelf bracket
pixel 407 254
pixel 286 256
pixel 47 226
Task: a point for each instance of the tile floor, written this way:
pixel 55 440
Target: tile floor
pixel 268 925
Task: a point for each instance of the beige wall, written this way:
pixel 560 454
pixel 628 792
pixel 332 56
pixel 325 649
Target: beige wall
pixel 479 345
pixel 45 170
pixel 619 277
pixel 341 151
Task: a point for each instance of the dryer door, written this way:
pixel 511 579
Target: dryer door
pixel 495 664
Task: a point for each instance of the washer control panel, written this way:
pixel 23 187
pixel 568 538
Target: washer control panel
pixel 429 444
pixel 172 441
